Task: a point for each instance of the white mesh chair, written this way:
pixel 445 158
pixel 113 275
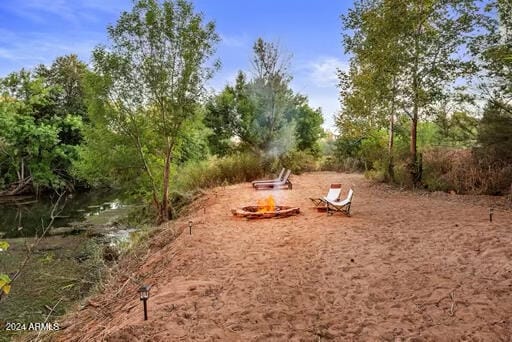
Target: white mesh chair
pixel 273 185
pixel 278 179
pixel 342 206
pixel 332 195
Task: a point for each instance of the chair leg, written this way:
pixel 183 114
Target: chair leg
pixel 317 202
pixel 330 211
pixel 347 210
pixel 344 210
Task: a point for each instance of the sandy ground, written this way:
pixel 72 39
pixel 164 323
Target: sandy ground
pixel 405 266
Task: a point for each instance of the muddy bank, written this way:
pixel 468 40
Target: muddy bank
pixel 68 264
pixel 60 272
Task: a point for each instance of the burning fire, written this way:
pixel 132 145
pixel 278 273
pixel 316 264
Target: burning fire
pixel 266 204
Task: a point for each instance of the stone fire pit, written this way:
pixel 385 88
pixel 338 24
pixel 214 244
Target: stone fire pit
pixel 259 212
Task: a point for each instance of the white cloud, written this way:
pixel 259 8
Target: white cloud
pixel 323 71
pixel 6 54
pixel 222 79
pixel 77 12
pixel 234 41
pixel 30 49
pixel 42 44
pixel 330 105
pixel 317 79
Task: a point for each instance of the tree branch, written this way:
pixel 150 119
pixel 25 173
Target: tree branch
pixel 30 249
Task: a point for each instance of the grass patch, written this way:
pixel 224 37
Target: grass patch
pixel 61 270
pixel 214 172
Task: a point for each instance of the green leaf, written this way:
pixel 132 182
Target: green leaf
pixel 4 245
pixel 6 289
pixel 4 283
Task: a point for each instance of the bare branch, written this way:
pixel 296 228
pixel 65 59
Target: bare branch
pixel 30 248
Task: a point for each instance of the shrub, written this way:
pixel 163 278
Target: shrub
pixel 375 175
pixel 217 171
pixel 462 171
pixel 495 132
pixel 348 164
pixel 402 175
pixel 299 162
pixel 374 151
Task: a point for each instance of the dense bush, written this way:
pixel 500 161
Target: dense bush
pixel 347 164
pixel 299 162
pixel 462 171
pixel 39 134
pixel 368 154
pixel 495 132
pixel 213 172
pixel 447 165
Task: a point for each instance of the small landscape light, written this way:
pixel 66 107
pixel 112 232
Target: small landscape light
pixel 491 211
pixel 144 296
pixel 190 227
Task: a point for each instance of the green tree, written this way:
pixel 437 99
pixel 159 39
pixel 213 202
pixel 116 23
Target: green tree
pixel 369 91
pixel 457 128
pixel 263 114
pixel 272 98
pixel 68 73
pixel 147 88
pixel 233 115
pixel 230 115
pixel 34 153
pixel 495 132
pixel 494 51
pixel 308 126
pixel 220 119
pixel 429 39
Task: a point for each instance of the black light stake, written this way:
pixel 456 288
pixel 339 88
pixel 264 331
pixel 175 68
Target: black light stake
pixel 190 227
pixel 491 211
pixel 144 296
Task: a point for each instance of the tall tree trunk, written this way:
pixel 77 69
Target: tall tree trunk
pixel 391 172
pixel 416 86
pixel 164 205
pixel 414 127
pixel 413 148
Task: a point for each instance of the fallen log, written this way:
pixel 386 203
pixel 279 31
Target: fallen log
pixel 17 188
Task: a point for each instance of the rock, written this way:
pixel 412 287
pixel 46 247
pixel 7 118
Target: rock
pixel 110 253
pixel 64 230
pixel 88 228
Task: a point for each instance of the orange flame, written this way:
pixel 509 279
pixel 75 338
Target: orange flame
pixel 266 204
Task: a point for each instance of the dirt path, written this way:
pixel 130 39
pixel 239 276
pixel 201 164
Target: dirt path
pixel 403 266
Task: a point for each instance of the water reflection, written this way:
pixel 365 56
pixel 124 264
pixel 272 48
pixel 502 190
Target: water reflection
pixel 26 216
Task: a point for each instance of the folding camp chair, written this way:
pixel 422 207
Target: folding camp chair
pixel 273 185
pixel 278 179
pixel 332 195
pixel 341 206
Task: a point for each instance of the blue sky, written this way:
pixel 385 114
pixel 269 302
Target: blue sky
pixel 38 31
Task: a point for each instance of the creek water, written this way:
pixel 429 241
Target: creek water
pixel 26 216
pixel 65 266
